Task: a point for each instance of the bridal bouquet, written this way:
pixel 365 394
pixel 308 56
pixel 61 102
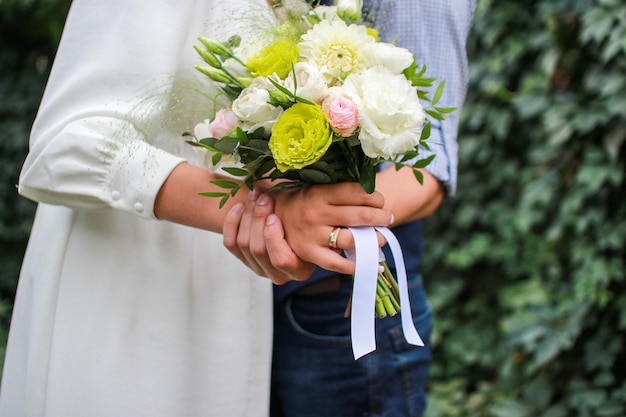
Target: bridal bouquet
pixel 317 100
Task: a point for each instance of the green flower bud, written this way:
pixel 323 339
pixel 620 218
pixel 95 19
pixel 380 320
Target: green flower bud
pixel 234 41
pixel 244 81
pixel 208 57
pixel 279 97
pixel 215 47
pixel 215 74
pixel 350 9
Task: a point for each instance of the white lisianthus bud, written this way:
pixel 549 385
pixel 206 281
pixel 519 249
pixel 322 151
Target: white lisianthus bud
pixel 215 74
pixel 208 57
pixel 214 46
pixel 350 8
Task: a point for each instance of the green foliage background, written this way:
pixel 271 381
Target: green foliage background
pixel 29 34
pixel 525 266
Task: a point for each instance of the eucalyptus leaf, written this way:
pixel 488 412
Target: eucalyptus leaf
pixel 313 176
pixel 216 158
pixel 260 145
pixel 368 178
pixel 227 145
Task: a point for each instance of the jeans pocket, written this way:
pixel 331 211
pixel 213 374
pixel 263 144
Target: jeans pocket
pixel 320 327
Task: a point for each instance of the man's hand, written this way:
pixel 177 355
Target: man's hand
pixel 289 249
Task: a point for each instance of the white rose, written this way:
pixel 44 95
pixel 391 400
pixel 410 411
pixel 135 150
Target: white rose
pixel 253 109
pixel 392 57
pixel 310 82
pixel 390 113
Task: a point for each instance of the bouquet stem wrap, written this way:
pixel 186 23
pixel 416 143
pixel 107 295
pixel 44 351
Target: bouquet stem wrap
pixel 362 313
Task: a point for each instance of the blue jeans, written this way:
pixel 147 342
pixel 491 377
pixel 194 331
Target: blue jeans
pixel 314 372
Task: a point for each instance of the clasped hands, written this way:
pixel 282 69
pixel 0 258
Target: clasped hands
pixel 284 234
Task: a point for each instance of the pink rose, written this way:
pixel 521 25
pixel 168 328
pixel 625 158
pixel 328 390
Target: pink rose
pixel 225 121
pixel 343 115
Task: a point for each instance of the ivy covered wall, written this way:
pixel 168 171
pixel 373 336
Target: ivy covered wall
pixel 526 265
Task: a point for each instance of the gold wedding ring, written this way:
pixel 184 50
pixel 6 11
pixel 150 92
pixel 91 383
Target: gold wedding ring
pixel 332 238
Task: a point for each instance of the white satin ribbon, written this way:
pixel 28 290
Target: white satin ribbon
pixel 362 314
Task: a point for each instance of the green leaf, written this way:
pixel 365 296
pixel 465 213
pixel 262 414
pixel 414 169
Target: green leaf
pixel 367 178
pixel 216 158
pixel 231 91
pixel 288 175
pixel 280 185
pixel 260 145
pixel 434 114
pixel 241 136
pixel 212 194
pixel 258 133
pixel 238 172
pixel 423 163
pixel 426 130
pixel 264 167
pixel 408 156
pixel 209 142
pixel 289 93
pixel 438 92
pixel 419 176
pixel 313 176
pixel 227 145
pixel 248 183
pixel 225 183
pixel 445 110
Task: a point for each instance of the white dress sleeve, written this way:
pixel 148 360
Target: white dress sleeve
pixel 93 144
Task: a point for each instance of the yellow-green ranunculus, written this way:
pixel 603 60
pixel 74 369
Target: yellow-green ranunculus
pixel 300 137
pixel 278 57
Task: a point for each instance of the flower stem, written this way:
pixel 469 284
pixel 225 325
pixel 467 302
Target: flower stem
pixel 385 296
pixel 394 282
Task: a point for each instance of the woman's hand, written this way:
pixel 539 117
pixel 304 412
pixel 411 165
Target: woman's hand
pixel 257 238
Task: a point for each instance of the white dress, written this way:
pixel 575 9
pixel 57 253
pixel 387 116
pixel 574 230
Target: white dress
pixel 119 314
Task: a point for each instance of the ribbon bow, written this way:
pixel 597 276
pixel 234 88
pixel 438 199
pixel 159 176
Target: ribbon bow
pixel 362 314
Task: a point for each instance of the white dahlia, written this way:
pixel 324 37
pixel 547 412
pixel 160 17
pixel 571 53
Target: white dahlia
pixel 337 49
